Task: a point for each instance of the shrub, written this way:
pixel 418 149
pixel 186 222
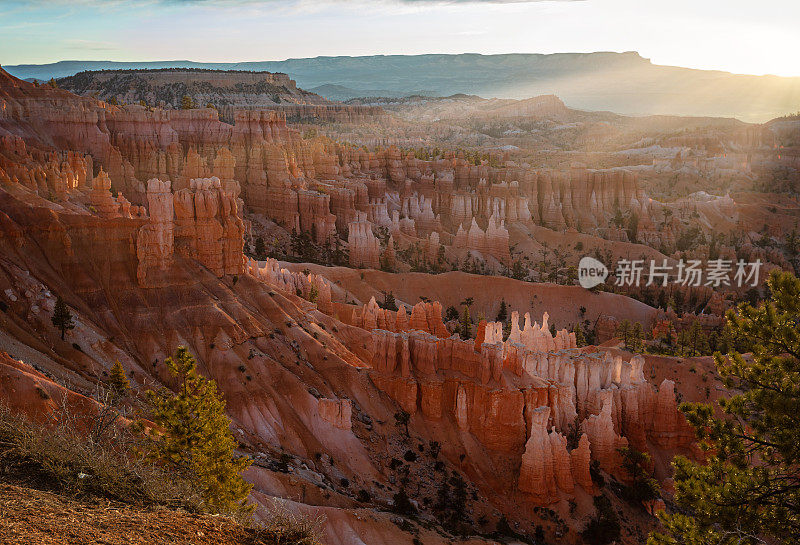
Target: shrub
pixel 401 503
pixel 597 476
pixel 283 527
pixel 283 462
pixel 363 496
pixel 604 527
pixel 574 434
pixel 402 418
pixel 61 456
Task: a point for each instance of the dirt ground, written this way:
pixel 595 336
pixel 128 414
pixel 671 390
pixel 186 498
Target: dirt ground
pixel 34 517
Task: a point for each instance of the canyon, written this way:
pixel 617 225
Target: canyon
pixel 146 221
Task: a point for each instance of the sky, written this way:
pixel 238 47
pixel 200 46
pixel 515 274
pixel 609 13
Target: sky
pixel 739 36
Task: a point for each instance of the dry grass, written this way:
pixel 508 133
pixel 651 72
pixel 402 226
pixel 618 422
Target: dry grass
pixel 75 466
pixel 61 458
pixel 34 517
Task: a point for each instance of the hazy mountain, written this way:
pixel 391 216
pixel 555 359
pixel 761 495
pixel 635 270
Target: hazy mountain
pixel 619 82
pixel 340 92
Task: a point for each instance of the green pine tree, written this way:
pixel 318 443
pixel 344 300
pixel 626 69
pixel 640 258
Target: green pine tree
pixel 451 314
pixel 440 255
pixel 186 102
pixel 401 503
pixel 502 314
pixel 792 243
pixel 604 527
pixel 62 317
pixel 194 436
pixel 580 340
pixel 642 486
pixel 623 332
pixel 313 293
pixel 637 337
pixel 389 302
pixel 260 249
pixel 683 342
pixel 749 490
pixel 118 381
pixel 633 227
pixel 466 324
pixel 618 219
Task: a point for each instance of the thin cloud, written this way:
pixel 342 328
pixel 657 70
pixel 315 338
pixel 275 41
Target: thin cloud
pixel 90 45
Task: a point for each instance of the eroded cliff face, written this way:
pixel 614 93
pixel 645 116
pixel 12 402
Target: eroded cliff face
pixel 224 90
pixel 313 185
pixel 169 86
pixel 159 265
pixel 488 388
pixel 521 396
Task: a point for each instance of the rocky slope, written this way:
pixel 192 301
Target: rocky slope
pixel 562 303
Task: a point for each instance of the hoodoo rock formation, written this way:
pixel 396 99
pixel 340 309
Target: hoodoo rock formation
pixel 364 246
pixel 209 227
pixel 312 287
pixel 155 243
pixel 508 394
pixel 537 474
pixel 424 316
pixel 493 241
pixel 101 199
pixel 138 219
pixel 316 185
pixel 201 222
